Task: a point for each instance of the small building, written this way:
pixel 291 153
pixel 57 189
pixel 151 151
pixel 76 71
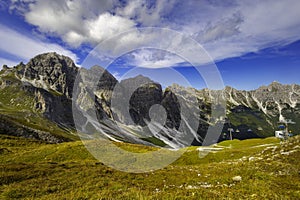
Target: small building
pixel 280 134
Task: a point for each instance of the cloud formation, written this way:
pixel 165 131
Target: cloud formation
pixel 23 47
pixel 225 28
pixel 153 58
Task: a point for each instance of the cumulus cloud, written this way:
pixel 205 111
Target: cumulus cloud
pixel 24 47
pixel 146 13
pixel 225 28
pixel 112 25
pixel 75 22
pixel 150 48
pixel 258 25
pixel 222 29
pixel 154 58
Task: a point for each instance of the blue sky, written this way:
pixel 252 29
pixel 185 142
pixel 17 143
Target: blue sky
pixel 252 42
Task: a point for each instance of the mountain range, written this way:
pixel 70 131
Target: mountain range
pixel 52 99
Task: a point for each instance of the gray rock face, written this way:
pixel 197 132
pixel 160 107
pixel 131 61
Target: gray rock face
pixel 94 89
pixel 52 77
pixel 269 99
pixel 132 99
pixel 137 95
pixel 172 106
pixel 55 108
pixel 51 71
pixel 142 99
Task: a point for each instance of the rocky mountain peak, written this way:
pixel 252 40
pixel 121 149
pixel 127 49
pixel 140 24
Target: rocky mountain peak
pixel 98 76
pixel 51 59
pixel 275 83
pixel 51 71
pixel 136 81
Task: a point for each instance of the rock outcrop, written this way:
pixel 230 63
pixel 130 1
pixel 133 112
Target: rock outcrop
pixel 51 72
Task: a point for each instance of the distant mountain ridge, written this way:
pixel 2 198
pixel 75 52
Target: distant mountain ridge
pixel 38 97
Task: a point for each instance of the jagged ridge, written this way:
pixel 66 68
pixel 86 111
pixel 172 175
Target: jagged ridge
pixel 45 85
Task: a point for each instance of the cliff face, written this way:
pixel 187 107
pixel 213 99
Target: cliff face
pixel 37 97
pixel 41 92
pixel 51 78
pixel 51 71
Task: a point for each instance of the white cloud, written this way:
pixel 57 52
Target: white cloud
pixel 222 29
pixel 151 48
pixel 107 25
pixel 77 22
pixel 126 42
pixel 257 25
pixel 25 48
pixel 225 28
pixel 153 58
pixel 73 38
pixel 145 12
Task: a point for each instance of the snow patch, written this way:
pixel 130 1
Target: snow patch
pixel 262 108
pixel 293 102
pixel 281 118
pixel 37 83
pixel 231 100
pixel 247 99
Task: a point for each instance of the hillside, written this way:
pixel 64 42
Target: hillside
pixel 268 169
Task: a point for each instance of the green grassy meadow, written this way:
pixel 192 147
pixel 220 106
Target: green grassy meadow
pixel 268 169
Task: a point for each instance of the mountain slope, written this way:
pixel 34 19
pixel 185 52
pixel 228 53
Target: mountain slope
pixel 29 104
pixel 36 102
